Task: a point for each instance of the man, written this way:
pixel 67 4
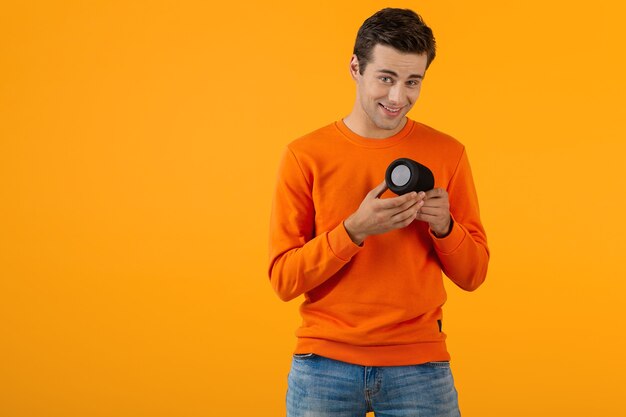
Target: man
pixel 370 263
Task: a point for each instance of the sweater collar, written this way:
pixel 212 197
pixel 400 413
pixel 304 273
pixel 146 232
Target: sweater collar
pixel 375 143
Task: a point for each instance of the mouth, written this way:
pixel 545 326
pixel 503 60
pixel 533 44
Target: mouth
pixel 392 111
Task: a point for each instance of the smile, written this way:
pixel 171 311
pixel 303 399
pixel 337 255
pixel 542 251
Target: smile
pixel 390 109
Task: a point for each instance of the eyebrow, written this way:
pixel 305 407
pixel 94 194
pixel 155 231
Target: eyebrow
pixel 395 74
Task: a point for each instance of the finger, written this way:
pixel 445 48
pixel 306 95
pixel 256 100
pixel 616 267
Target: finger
pixel 403 223
pixel 404 217
pixel 410 204
pixel 425 217
pixel 434 211
pixel 437 203
pixel 377 191
pixel 435 193
pixel 398 202
pixel 433 217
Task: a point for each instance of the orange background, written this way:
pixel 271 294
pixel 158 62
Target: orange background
pixel 139 144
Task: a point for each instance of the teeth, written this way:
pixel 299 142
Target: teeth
pixel 391 110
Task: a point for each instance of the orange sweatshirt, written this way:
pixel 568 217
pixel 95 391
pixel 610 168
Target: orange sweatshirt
pixel 379 304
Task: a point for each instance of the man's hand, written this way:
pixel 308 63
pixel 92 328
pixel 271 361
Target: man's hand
pixel 436 212
pixel 375 215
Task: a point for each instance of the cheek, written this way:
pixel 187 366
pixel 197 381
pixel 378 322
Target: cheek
pixel 376 91
pixel 413 96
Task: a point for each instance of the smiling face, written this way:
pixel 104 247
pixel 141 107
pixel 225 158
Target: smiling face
pixel 386 91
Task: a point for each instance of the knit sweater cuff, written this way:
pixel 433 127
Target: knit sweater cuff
pixel 452 241
pixel 340 243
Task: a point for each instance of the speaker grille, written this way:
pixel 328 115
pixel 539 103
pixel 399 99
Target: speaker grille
pixel 400 175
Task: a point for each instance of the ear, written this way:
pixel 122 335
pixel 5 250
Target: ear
pixel 354 67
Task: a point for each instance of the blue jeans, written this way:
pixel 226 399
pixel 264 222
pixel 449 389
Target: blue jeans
pixel 322 387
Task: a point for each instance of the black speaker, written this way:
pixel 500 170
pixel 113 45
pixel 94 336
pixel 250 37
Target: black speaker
pixel 405 175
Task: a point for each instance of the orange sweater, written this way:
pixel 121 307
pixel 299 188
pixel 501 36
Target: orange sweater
pixel 379 304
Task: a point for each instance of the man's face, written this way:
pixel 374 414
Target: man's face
pixel 387 89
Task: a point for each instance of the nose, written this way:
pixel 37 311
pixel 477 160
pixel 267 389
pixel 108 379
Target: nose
pixel 395 93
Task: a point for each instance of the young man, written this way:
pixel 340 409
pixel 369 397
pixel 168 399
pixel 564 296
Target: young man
pixel 370 263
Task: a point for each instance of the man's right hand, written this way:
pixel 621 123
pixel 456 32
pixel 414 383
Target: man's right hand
pixel 375 215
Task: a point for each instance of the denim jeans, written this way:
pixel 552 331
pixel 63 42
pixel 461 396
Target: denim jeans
pixel 322 387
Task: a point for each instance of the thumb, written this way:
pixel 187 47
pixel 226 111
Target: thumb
pixel 378 190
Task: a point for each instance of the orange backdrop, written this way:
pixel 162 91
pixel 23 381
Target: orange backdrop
pixel 139 143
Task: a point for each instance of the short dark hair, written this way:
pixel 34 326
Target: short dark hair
pixel 402 29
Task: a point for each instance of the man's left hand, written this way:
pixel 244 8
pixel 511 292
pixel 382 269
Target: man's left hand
pixel 436 211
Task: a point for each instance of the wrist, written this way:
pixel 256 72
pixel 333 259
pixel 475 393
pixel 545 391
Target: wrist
pixel 443 231
pixel 352 232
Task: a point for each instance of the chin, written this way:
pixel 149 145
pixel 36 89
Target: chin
pixel 391 125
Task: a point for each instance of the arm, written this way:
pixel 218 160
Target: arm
pixel 300 260
pixel 458 235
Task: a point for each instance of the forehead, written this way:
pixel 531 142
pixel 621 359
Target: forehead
pixel 404 64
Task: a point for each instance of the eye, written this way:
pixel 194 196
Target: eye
pixel 386 80
pixel 413 83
